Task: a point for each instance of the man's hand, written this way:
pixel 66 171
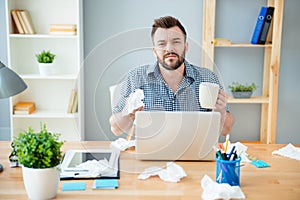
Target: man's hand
pixel 122 123
pixel 221 102
pixel 132 114
pixel 227 120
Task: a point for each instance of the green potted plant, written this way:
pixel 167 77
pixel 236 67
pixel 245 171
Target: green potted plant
pixel 239 90
pixel 40 156
pixel 45 60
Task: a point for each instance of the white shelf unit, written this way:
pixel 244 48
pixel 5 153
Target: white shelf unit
pixel 50 93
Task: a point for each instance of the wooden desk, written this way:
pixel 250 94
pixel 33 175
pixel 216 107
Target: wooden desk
pixel 280 181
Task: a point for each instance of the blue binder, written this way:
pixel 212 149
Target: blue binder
pixel 266 26
pixel 259 25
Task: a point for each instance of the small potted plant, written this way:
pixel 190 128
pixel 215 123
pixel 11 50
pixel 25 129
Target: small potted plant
pixel 239 90
pixel 45 60
pixel 40 156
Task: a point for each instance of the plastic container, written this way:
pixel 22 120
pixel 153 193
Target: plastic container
pixel 228 171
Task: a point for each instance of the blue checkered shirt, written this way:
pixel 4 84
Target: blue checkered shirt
pixel 159 96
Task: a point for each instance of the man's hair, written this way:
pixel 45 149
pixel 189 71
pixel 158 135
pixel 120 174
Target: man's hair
pixel 166 22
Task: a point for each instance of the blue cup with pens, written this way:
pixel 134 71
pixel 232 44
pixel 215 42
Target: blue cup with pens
pixel 227 166
pixel 228 171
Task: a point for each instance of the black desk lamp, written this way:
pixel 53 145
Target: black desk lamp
pixel 10 85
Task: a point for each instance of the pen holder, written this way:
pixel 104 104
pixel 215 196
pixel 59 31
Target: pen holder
pixel 228 171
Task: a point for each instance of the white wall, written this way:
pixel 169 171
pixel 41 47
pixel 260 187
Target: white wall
pixel 114 29
pixel 117 38
pixel 289 82
pixel 104 19
pixel 4 103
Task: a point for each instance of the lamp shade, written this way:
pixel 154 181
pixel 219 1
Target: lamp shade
pixel 10 83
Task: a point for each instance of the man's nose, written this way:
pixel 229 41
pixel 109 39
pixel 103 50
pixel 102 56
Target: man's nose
pixel 169 47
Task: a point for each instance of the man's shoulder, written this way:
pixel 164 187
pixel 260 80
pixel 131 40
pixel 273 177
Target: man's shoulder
pixel 198 70
pixel 142 70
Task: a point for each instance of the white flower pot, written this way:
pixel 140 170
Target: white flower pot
pixel 46 69
pixel 41 183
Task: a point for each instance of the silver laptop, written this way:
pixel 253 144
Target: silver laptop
pixel 176 135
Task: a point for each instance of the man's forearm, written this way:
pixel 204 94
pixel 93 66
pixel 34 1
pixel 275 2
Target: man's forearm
pixel 228 124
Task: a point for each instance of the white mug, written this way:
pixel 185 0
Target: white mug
pixel 208 93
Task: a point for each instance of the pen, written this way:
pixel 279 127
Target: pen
pixel 218 152
pixel 231 152
pixel 219 155
pixel 235 156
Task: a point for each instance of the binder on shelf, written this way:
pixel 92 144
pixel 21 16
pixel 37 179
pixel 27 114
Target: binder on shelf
pixel 73 101
pixel 266 26
pixel 259 25
pixel 16 21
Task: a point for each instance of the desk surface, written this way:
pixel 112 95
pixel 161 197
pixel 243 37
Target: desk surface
pixel 280 181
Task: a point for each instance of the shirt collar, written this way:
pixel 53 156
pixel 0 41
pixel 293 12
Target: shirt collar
pixel 189 72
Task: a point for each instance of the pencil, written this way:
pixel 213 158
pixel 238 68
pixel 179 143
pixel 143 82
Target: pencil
pixel 227 138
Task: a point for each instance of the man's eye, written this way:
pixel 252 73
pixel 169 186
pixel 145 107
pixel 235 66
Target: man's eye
pixel 161 44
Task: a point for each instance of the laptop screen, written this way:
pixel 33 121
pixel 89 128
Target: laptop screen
pixel 176 135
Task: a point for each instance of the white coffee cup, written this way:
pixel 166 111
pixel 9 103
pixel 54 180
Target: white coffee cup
pixel 208 93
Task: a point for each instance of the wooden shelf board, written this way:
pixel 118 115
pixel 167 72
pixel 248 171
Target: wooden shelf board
pixel 254 99
pixel 242 45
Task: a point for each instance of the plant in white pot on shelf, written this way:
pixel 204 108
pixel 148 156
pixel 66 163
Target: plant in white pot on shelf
pixel 239 90
pixel 45 60
pixel 40 156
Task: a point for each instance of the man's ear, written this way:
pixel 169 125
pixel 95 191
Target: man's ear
pixel 186 47
pixel 154 51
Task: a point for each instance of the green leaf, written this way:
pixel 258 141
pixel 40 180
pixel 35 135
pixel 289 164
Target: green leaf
pixel 45 57
pixel 238 87
pixel 38 150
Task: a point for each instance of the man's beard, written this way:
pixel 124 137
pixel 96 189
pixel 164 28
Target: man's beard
pixel 175 65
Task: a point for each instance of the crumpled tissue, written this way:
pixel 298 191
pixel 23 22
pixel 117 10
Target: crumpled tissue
pixel 213 190
pixel 173 173
pixel 289 151
pixel 96 168
pixel 135 100
pixel 240 150
pixel 122 144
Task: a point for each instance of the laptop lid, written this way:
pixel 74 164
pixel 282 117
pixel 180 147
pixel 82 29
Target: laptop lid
pixel 176 135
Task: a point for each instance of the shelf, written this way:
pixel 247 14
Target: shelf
pixel 51 94
pixel 243 45
pixel 271 62
pixel 254 99
pixel 53 77
pixel 43 36
pixel 48 114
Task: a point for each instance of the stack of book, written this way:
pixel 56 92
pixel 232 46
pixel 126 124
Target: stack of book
pixel 63 29
pixel 22 22
pixel 24 108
